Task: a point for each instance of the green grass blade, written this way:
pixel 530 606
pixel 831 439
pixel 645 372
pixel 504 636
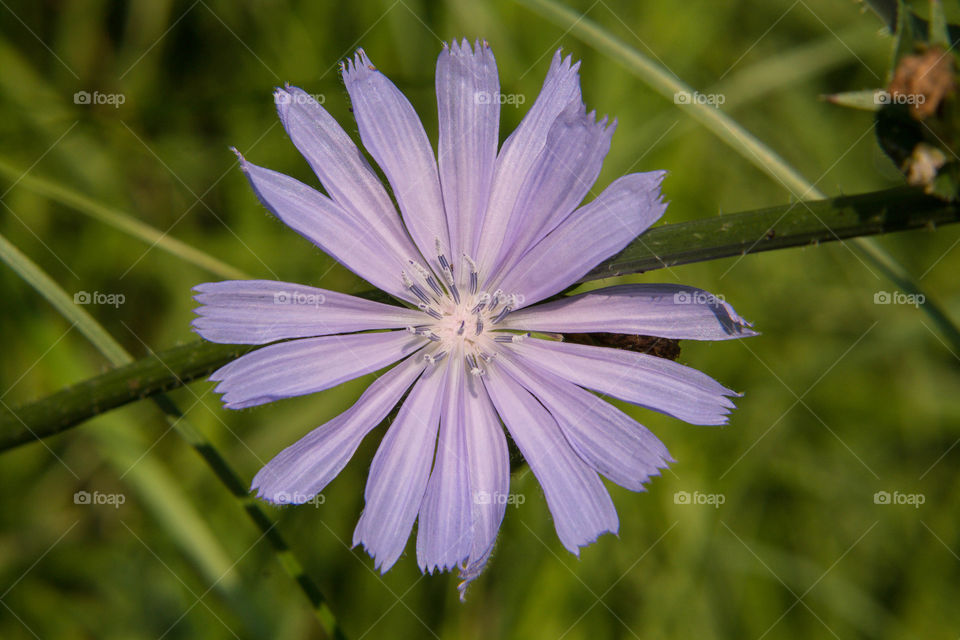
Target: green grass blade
pixel 120 221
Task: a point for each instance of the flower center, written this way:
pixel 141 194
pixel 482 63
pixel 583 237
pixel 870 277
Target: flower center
pixel 462 324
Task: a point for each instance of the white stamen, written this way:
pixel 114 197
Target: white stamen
pixel 433 285
pixel 420 270
pixel 474 278
pixel 503 314
pixel 430 311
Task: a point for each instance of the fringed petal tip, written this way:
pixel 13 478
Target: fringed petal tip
pixel 657 177
pixel 262 482
pixel 464 48
pixel 432 568
pixel 245 167
pixel 563 63
pixel 282 498
pixel 289 96
pixel 203 287
pixel 359 66
pixel 733 323
pixel 196 325
pixel 575 114
pixel 380 562
pixel 468 574
pixel 576 547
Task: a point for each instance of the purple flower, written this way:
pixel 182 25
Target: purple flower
pixel 483 237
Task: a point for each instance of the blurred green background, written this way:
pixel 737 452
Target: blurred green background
pixel 844 397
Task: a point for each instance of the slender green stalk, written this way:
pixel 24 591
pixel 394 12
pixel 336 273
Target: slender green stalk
pixel 120 221
pixel 118 356
pixel 711 238
pixel 144 378
pixel 780 227
pixel 738 138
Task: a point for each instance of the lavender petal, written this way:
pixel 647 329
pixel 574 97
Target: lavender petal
pixel 444 533
pixel 324 223
pixel 393 134
pixel 489 463
pixel 665 310
pixel 592 233
pixel 638 378
pixel 262 311
pixel 581 506
pixel 303 469
pixel 308 365
pixel 400 471
pixel 344 172
pixel 468 92
pixel 608 440
pixel 519 153
pixel 564 172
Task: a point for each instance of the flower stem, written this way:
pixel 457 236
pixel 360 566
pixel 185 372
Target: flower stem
pixel 793 225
